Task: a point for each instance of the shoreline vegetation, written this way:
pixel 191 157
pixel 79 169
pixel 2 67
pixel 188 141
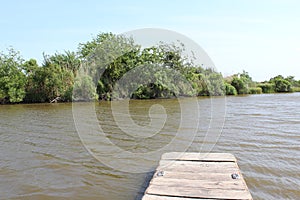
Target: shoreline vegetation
pixel 66 77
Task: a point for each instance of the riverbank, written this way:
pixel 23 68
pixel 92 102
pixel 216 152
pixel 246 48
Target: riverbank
pixel 99 101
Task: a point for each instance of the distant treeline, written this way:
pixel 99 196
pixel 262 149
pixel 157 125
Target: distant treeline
pixel 68 76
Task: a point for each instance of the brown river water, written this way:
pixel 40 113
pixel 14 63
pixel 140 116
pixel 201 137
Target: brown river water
pixel 42 156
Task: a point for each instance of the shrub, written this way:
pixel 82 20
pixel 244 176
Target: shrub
pixel 267 87
pixel 230 90
pixel 296 89
pixel 255 90
pixel 240 85
pixel 282 85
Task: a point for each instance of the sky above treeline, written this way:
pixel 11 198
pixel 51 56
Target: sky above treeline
pixel 260 37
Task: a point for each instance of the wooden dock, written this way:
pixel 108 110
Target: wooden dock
pixel 190 176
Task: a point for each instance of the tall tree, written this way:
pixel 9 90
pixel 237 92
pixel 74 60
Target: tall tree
pixel 106 59
pixel 53 80
pixel 12 78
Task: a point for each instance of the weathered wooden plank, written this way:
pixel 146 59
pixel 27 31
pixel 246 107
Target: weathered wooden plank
pixel 222 176
pixel 157 197
pixel 190 166
pixel 193 192
pixel 236 184
pixel 184 176
pixel 226 157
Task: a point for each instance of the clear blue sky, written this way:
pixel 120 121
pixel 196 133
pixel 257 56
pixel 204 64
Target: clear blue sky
pixel 259 36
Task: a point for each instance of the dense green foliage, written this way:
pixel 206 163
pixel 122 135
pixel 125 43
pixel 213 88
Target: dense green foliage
pixel 282 84
pixel 114 67
pixel 255 90
pixel 230 90
pixel 12 79
pixel 124 70
pixel 241 83
pixel 267 87
pixel 53 80
pixel 244 85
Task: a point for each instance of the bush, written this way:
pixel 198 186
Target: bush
pixel 267 87
pixel 230 90
pixel 240 85
pixel 282 85
pixel 296 89
pixel 255 90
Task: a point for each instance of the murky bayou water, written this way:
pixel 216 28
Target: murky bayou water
pixel 42 156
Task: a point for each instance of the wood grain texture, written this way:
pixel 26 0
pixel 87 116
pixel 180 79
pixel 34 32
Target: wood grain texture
pixel 185 176
pixel 199 156
pixel 156 197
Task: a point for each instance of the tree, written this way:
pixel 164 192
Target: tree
pixel 87 49
pixel 230 90
pixel 106 59
pixel 59 77
pixel 12 79
pixel 245 77
pixel 53 80
pixel 282 84
pixel 216 85
pixel 240 85
pixel 29 67
pixel 267 87
pixel 34 87
pixel 84 89
pixel 68 61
